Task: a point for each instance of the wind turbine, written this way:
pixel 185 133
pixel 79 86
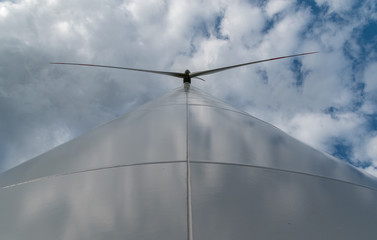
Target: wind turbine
pixel 187 75
pixel 186 166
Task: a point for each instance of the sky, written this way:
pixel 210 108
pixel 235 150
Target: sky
pixel 327 100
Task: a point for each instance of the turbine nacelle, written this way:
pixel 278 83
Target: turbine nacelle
pixel 187 77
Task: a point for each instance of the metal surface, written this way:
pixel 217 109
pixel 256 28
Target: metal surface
pixel 231 136
pixel 156 135
pixel 186 166
pixel 138 202
pixel 236 202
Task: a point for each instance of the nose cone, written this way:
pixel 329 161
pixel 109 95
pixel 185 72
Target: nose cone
pixel 187 78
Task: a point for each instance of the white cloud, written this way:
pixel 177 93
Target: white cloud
pixel 41 141
pixel 337 5
pixel 4 11
pixel 371 149
pixel 285 35
pixel 370 77
pixel 276 6
pixel 315 128
pixel 371 170
pixel 243 23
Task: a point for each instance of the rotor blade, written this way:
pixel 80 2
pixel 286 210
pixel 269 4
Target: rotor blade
pixel 206 72
pixel 200 78
pixel 173 74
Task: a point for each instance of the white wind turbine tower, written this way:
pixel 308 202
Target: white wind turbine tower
pixel 186 166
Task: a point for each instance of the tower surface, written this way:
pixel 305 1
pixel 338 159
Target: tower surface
pixel 186 166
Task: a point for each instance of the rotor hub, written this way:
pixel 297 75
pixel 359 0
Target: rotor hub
pixel 186 77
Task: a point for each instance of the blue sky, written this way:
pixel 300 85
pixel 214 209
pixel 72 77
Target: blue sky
pixel 327 100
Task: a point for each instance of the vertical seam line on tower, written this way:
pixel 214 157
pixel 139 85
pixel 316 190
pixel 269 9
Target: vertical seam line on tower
pixel 189 206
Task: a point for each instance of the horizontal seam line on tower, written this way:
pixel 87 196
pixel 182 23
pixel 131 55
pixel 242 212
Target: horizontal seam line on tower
pixel 287 171
pixel 183 161
pixel 89 170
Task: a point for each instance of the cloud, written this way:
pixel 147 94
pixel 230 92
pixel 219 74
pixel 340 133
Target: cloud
pixel 337 5
pixel 371 170
pixel 277 6
pixel 370 76
pixel 243 23
pixel 314 127
pixel 371 149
